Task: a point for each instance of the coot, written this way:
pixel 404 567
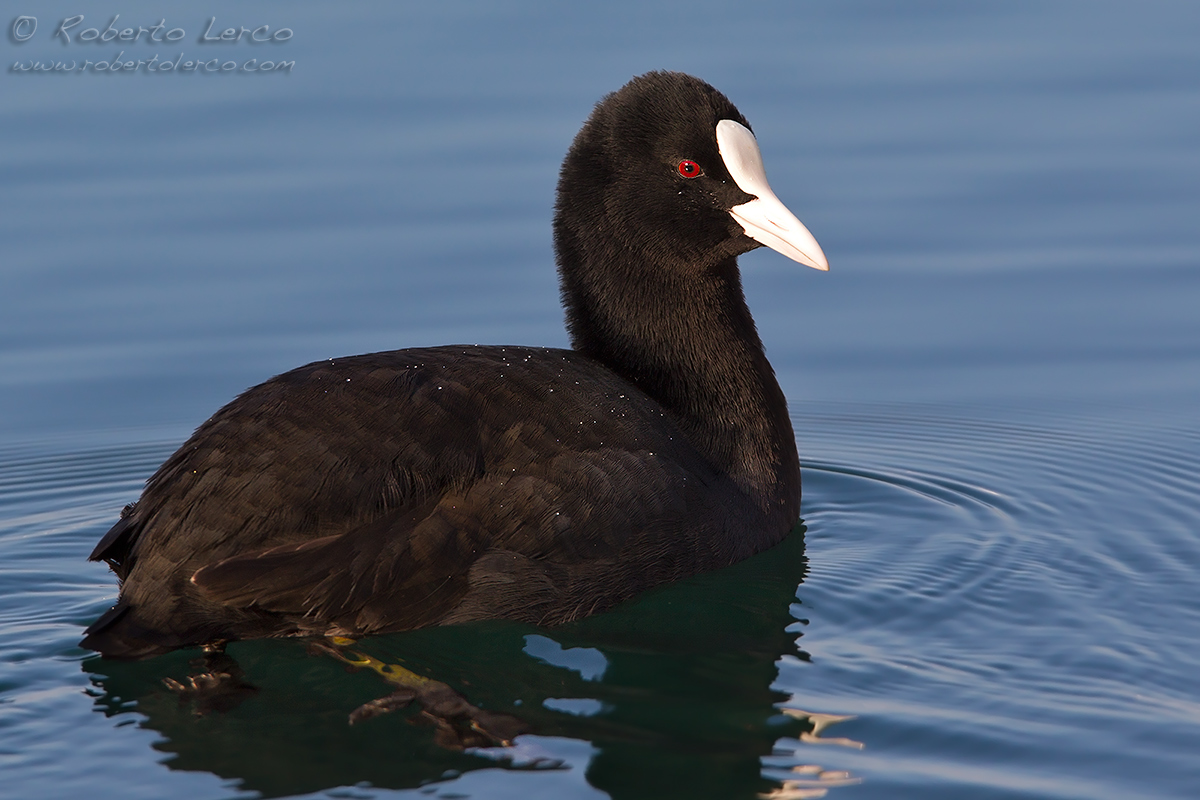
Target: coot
pixel 397 490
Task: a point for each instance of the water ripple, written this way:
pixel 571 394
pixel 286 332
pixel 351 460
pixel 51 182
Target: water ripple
pixel 1035 574
pixel 1016 585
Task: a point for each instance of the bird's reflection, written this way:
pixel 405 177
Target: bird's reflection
pixel 669 695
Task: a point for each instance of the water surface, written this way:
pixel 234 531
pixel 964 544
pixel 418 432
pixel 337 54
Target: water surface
pixel 994 390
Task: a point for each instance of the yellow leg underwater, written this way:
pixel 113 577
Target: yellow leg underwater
pixel 459 724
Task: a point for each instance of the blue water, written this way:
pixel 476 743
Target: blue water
pixel 994 390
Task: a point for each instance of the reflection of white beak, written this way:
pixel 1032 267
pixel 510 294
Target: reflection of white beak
pixel 765 219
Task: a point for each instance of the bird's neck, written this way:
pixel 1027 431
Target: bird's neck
pixel 689 342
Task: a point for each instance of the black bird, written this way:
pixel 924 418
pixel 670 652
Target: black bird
pixel 397 490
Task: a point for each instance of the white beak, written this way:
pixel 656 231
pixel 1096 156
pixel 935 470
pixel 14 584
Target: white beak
pixel 765 219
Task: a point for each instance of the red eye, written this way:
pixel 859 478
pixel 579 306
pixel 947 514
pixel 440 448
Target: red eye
pixel 689 169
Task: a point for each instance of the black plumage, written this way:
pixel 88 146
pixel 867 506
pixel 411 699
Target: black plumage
pixel 396 490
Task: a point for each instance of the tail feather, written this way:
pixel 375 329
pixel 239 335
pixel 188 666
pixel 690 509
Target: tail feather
pixel 116 634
